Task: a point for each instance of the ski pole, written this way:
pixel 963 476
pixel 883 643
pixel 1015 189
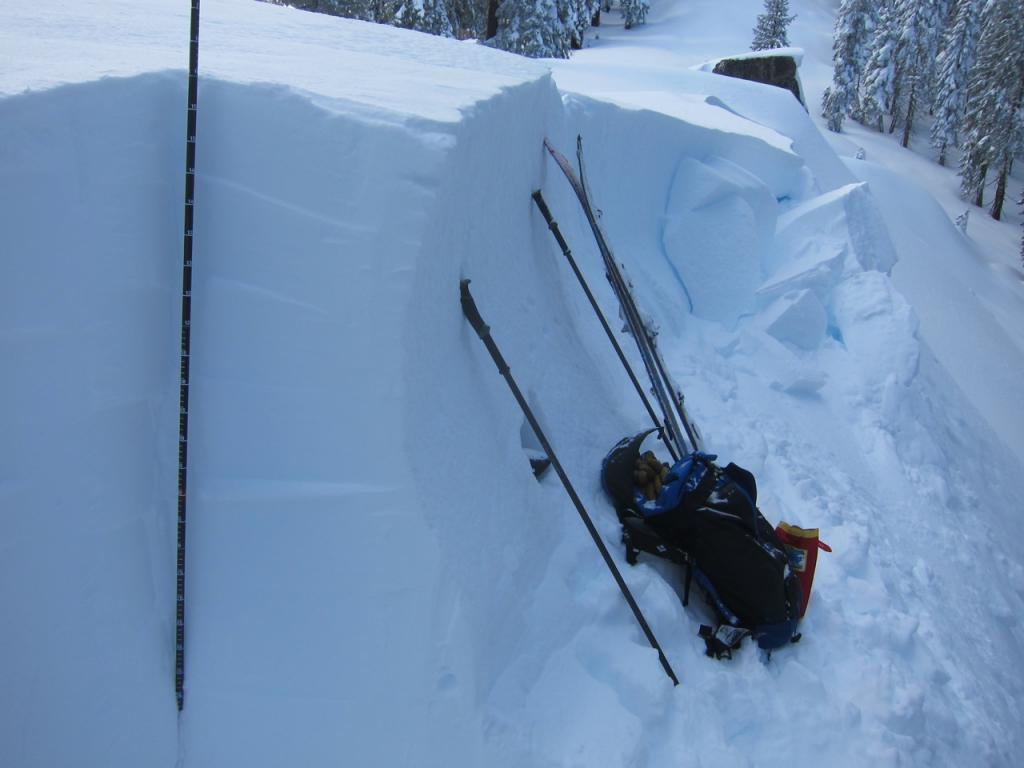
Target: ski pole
pixel 469 309
pixel 542 206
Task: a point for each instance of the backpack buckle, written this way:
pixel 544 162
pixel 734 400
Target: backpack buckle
pixel 721 642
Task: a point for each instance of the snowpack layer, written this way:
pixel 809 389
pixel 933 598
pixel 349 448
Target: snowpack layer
pixel 365 68
pixel 374 575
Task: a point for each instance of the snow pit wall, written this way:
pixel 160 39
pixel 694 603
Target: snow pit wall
pixel 92 217
pixel 339 405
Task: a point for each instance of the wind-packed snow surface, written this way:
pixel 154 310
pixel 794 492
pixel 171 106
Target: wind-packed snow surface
pixel 374 575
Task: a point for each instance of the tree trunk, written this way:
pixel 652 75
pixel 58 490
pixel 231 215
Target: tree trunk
pixel 492 19
pixel 997 202
pixel 979 200
pixel 894 105
pixel 942 154
pixel 911 104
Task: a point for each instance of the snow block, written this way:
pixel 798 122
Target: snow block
pixel 818 268
pixel 796 318
pixel 800 382
pixel 878 327
pixel 718 222
pixel 846 217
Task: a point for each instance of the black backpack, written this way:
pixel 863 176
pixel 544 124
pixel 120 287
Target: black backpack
pixel 705 518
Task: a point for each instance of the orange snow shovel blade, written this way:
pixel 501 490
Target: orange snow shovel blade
pixel 803 545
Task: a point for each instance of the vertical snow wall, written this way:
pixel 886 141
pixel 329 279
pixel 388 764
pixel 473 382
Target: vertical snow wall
pixel 365 536
pixel 91 205
pixel 366 541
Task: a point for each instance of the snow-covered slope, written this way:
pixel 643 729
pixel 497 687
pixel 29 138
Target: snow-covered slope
pixel 374 575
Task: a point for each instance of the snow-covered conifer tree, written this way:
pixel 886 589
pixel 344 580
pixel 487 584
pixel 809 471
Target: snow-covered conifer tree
pixel 409 16
pixel 921 23
pixel 532 28
pixel 580 14
pixel 436 18
pixel 855 24
pixel 635 12
pixel 879 86
pixel 448 18
pixel 953 68
pixel 770 31
pixel 382 11
pixel 994 122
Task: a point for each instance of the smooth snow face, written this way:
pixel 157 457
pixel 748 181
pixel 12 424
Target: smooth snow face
pixel 374 574
pixel 92 254
pixel 351 65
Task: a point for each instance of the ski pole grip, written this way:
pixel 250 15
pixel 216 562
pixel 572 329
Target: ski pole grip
pixel 471 312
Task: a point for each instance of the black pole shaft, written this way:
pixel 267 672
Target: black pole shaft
pixel 542 206
pixel 469 309
pixel 186 346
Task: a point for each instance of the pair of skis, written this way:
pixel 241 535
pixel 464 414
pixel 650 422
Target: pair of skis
pixel 669 397
pixel 665 390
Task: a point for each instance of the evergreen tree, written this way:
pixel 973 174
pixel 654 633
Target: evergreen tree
pixel 770 31
pixel 921 23
pixel 382 11
pixel 437 18
pixel 580 15
pixel 994 122
pixel 953 67
pixel 468 18
pixel 855 24
pixel 635 12
pixel 879 89
pixel 409 16
pixel 448 18
pixel 532 28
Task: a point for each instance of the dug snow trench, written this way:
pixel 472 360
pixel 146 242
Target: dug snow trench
pixel 374 575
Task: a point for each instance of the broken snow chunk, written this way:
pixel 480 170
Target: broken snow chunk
pixel 848 215
pixel 817 267
pixel 800 382
pixel 879 328
pixel 797 318
pixel 718 222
